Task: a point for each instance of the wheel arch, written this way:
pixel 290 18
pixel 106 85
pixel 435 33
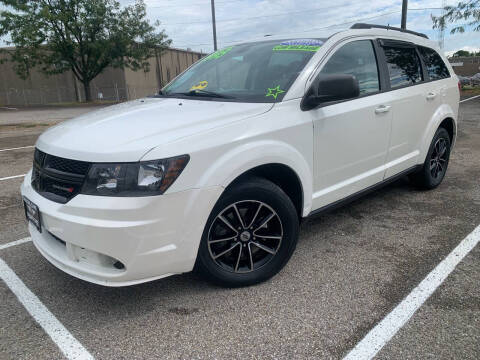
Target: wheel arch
pixel 449 125
pixel 276 161
pixel 443 117
pixel 281 175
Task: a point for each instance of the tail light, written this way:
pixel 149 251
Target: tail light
pixel 459 86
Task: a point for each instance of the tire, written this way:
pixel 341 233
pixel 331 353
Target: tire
pixel 256 247
pixel 436 163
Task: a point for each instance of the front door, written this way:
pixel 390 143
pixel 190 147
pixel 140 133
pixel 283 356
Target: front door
pixel 351 137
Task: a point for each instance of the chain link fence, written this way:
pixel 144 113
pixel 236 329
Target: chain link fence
pixel 26 97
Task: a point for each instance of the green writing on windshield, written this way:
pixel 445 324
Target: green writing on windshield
pixel 274 92
pixel 296 48
pixel 218 54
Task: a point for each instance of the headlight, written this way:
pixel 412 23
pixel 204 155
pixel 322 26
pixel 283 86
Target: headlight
pixel 143 178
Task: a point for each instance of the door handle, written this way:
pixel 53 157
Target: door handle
pixel 382 109
pixel 431 96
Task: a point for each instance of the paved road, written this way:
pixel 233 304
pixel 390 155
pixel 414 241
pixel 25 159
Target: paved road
pixel 42 115
pixel 350 269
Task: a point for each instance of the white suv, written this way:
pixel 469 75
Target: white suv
pixel 217 171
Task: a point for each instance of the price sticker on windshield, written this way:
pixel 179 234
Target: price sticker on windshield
pixel 200 86
pixel 218 54
pixel 299 45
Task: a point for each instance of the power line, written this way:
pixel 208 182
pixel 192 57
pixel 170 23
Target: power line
pixel 198 4
pixel 252 17
pixel 183 5
pixel 317 28
pixel 275 15
pixel 354 21
pixel 422 9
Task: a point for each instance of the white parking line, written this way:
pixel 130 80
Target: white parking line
pixel 12 177
pixel 470 98
pixel 381 334
pixel 18 148
pixel 15 243
pixel 65 341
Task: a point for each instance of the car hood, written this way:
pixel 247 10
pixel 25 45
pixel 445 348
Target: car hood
pixel 125 132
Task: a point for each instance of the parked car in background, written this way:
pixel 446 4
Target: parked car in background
pixel 464 80
pixel 469 80
pixel 475 79
pixel 217 172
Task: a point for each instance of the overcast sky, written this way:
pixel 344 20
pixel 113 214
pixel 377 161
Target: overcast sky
pixel 188 22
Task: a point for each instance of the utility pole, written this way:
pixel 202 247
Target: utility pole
pixel 404 14
pixel 214 26
pixel 441 29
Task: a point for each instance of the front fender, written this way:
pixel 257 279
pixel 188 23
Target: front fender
pixel 443 112
pixel 226 168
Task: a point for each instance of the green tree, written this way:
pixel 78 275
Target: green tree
pixel 465 11
pixel 84 36
pixel 462 53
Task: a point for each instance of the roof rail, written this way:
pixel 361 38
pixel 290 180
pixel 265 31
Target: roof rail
pixel 372 26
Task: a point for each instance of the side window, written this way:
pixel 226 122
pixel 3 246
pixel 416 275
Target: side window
pixel 356 58
pixel 403 66
pixel 436 68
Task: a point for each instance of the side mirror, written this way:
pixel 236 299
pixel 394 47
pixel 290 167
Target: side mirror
pixel 333 87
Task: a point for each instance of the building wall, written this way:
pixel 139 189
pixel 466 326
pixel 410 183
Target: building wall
pixel 172 62
pixel 466 66
pixel 163 68
pixel 139 83
pixel 112 84
pixel 37 89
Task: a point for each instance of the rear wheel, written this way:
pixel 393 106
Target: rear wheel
pixel 250 234
pixel 436 162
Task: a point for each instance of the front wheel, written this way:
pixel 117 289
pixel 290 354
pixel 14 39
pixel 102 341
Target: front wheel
pixel 436 162
pixel 250 234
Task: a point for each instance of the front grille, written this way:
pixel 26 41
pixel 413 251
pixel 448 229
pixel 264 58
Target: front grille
pixel 38 156
pixel 56 178
pixel 66 165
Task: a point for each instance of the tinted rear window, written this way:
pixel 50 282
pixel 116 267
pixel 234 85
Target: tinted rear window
pixel 434 64
pixel 403 66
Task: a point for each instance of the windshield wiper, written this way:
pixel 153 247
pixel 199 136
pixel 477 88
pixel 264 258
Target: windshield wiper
pixel 206 93
pixel 159 94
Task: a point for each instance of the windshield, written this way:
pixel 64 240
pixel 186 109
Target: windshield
pixel 254 72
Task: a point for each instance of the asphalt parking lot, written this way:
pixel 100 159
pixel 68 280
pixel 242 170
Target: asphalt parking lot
pixel 351 268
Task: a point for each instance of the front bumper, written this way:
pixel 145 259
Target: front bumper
pixel 152 237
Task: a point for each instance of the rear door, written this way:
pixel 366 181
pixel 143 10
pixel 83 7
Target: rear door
pixel 408 92
pixel 437 75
